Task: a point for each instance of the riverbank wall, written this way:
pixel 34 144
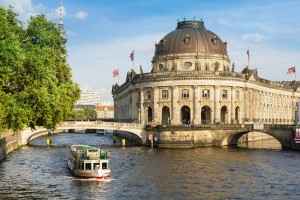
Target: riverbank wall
pixel 10 141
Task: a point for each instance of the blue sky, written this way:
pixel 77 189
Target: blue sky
pixel 102 33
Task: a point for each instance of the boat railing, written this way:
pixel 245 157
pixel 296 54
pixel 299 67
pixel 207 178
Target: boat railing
pixel 80 154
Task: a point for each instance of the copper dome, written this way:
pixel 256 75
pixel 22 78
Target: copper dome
pixel 191 37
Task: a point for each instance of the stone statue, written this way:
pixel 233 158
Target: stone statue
pixel 141 70
pixel 232 68
pixel 132 73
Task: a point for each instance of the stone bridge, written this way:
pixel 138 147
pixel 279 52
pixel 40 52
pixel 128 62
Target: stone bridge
pixel 217 134
pixel 176 135
pixel 127 129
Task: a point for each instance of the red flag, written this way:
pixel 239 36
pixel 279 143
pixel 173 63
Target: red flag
pixel 132 55
pixel 291 70
pixel 248 53
pixel 116 73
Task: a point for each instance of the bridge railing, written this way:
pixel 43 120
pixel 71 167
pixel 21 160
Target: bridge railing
pixel 116 125
pixel 244 127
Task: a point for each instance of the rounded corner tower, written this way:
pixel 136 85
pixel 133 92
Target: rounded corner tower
pixel 191 47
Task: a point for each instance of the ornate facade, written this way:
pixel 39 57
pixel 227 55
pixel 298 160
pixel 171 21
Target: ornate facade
pixel 192 82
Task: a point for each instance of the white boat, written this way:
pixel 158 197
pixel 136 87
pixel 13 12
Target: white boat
pixel 89 162
pixel 100 131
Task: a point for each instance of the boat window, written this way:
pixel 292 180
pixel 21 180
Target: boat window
pixel 96 166
pixel 88 166
pixel 104 165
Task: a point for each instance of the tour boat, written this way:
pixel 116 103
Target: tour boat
pixel 100 131
pixel 89 162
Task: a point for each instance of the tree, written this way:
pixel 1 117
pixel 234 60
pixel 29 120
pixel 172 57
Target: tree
pixel 36 87
pixel 86 113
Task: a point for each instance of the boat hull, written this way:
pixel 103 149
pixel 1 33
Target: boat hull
pixel 87 162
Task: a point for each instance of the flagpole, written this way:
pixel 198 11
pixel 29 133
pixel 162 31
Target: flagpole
pixel 295 74
pixel 118 76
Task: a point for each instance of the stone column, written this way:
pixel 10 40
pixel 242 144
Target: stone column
pixel 217 105
pixel 196 119
pixel 156 112
pixel 175 118
pixel 233 100
pixel 142 110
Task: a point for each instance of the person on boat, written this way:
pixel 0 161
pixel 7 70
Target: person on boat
pixel 108 154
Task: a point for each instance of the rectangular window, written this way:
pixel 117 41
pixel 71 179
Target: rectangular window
pixel 205 93
pixel 237 94
pixel 185 93
pixel 165 94
pixel 224 94
pixel 148 95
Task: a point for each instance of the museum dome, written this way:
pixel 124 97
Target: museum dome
pixel 191 37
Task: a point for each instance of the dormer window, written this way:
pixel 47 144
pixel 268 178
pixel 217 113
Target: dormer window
pixel 186 39
pixel 187 65
pixel 214 40
pixel 162 42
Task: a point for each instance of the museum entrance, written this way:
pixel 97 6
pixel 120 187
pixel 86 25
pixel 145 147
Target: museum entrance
pixel 224 114
pixel 205 115
pixel 165 118
pixel 185 115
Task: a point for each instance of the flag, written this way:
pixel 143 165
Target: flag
pixel 132 55
pixel 116 73
pixel 291 70
pixel 248 53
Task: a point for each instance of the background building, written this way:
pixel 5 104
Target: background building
pixel 105 112
pixel 192 82
pixel 90 99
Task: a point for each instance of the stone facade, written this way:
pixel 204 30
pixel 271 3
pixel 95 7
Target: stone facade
pixel 191 83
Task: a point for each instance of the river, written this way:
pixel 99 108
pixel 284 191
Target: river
pixel 246 172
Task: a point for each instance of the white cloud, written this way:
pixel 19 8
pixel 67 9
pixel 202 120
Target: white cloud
pixel 254 37
pixel 294 30
pixel 93 64
pixel 81 15
pixel 24 8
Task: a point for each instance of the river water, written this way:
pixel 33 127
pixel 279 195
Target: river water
pixel 39 172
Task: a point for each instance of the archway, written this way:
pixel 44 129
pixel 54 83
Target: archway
pixel 165 118
pixel 185 115
pixel 149 114
pixel 237 114
pixel 224 114
pixel 205 115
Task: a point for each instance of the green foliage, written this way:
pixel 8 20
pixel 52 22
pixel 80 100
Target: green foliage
pixel 36 87
pixel 86 113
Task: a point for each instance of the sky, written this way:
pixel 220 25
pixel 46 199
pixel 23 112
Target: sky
pixel 102 33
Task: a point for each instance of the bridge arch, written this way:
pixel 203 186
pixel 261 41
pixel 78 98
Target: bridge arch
pixel 224 114
pixel 165 118
pixel 233 138
pixel 185 115
pixel 131 129
pixel 206 114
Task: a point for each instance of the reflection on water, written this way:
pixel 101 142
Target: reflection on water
pixel 262 144
pixel 39 172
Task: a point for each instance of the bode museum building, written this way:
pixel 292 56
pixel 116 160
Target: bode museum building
pixel 192 82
